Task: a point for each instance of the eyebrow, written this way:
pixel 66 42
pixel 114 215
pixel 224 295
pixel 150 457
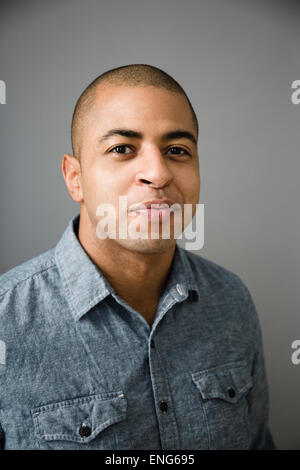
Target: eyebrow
pixel 176 134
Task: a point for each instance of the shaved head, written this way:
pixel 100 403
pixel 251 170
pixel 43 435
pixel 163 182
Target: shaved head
pixel 128 75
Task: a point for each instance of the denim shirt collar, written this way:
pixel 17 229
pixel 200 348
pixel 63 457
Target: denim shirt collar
pixel 85 285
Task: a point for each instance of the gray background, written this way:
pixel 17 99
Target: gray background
pixel 236 60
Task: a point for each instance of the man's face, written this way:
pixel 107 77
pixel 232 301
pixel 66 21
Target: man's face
pixel 142 168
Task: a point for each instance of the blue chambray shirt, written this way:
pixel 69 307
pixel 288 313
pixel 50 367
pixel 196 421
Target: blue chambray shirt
pixel 81 369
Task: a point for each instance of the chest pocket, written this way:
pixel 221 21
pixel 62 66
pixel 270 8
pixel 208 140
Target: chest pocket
pixel 91 422
pixel 223 393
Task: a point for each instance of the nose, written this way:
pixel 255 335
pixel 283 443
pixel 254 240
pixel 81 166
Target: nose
pixel 153 170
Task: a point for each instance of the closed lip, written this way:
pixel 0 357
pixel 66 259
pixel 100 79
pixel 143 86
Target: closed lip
pixel 159 204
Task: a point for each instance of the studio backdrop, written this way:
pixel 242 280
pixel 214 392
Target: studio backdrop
pixel 238 61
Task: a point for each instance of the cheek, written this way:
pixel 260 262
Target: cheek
pixel 103 186
pixel 189 184
pixel 195 180
pixel 93 186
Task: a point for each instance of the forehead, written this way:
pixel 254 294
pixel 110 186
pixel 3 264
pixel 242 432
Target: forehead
pixel 143 106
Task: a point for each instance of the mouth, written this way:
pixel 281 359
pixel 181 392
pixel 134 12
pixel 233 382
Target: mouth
pixel 154 210
pixel 153 214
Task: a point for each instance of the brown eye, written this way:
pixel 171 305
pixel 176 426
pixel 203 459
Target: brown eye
pixel 178 151
pixel 120 149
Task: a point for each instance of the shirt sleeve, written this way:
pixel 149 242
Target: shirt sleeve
pixel 258 397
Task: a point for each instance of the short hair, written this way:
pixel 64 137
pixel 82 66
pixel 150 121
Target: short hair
pixel 128 75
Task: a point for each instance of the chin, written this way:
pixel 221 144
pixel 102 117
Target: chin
pixel 145 246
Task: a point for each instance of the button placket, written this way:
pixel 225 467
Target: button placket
pixel 163 406
pixel 169 434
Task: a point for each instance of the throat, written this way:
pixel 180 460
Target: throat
pixel 146 311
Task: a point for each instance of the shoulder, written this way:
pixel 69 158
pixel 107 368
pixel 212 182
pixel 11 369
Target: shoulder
pixel 216 280
pixel 225 292
pixel 213 272
pixel 28 270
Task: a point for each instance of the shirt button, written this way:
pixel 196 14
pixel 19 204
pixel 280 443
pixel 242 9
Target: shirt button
pixel 163 406
pixel 179 289
pixel 85 430
pixel 152 344
pixel 231 392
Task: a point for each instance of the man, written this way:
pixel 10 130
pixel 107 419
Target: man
pixel 113 342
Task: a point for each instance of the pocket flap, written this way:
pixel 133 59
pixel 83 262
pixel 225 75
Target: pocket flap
pixel 80 419
pixel 228 382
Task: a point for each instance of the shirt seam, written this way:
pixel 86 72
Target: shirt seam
pixel 28 277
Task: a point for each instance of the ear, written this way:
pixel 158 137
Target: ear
pixel 72 175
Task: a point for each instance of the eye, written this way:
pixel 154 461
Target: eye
pixel 178 151
pixel 120 149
